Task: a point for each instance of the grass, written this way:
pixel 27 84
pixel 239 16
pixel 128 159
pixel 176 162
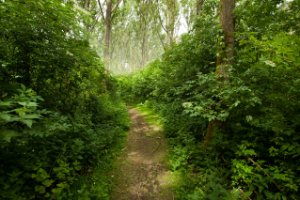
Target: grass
pixel 150 116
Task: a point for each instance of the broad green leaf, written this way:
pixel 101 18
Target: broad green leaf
pixel 27 122
pixel 5 117
pixel 31 116
pixel 6 103
pixel 6 134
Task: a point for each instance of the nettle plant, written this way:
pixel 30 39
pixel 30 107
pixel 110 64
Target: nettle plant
pixel 213 100
pixel 21 109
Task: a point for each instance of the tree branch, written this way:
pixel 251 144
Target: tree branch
pixel 159 17
pixel 265 172
pixel 161 40
pixel 93 26
pixel 101 10
pixel 116 5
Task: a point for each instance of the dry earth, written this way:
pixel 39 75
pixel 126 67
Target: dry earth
pixel 141 173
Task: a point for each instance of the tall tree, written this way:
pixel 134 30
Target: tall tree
pixel 146 23
pixel 188 12
pixel 225 55
pixel 168 16
pixel 135 41
pixel 107 10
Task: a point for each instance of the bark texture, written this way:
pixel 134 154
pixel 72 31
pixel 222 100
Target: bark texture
pixel 225 58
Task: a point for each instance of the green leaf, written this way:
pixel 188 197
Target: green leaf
pixel 6 103
pixel 249 118
pixel 40 189
pixel 29 104
pixel 32 116
pixel 27 122
pixel 5 117
pixel 6 134
pixel 48 182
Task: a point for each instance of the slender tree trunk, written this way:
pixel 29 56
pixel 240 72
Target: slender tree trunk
pixel 168 20
pixel 225 58
pixel 143 32
pixel 171 36
pixel 144 49
pixel 172 21
pixel 108 30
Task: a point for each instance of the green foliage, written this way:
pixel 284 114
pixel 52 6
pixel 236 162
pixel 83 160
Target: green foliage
pixel 61 120
pixel 254 152
pixel 22 107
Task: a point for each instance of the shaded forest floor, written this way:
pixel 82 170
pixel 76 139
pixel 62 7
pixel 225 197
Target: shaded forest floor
pixel 141 172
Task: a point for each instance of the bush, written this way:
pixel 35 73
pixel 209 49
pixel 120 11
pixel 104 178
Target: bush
pixel 255 146
pixel 60 119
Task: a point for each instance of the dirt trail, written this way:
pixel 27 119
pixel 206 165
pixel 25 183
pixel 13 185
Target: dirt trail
pixel 142 174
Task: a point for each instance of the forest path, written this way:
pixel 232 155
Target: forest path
pixel 141 173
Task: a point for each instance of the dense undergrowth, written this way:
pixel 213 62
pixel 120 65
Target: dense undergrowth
pixel 61 122
pixel 255 149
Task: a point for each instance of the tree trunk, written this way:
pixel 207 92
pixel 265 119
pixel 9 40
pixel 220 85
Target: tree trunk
pixel 143 49
pixel 107 35
pixel 172 21
pixel 225 58
pixel 227 23
pixel 168 20
pixel 143 32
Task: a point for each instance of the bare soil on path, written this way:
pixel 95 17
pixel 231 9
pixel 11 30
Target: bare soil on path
pixel 141 173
